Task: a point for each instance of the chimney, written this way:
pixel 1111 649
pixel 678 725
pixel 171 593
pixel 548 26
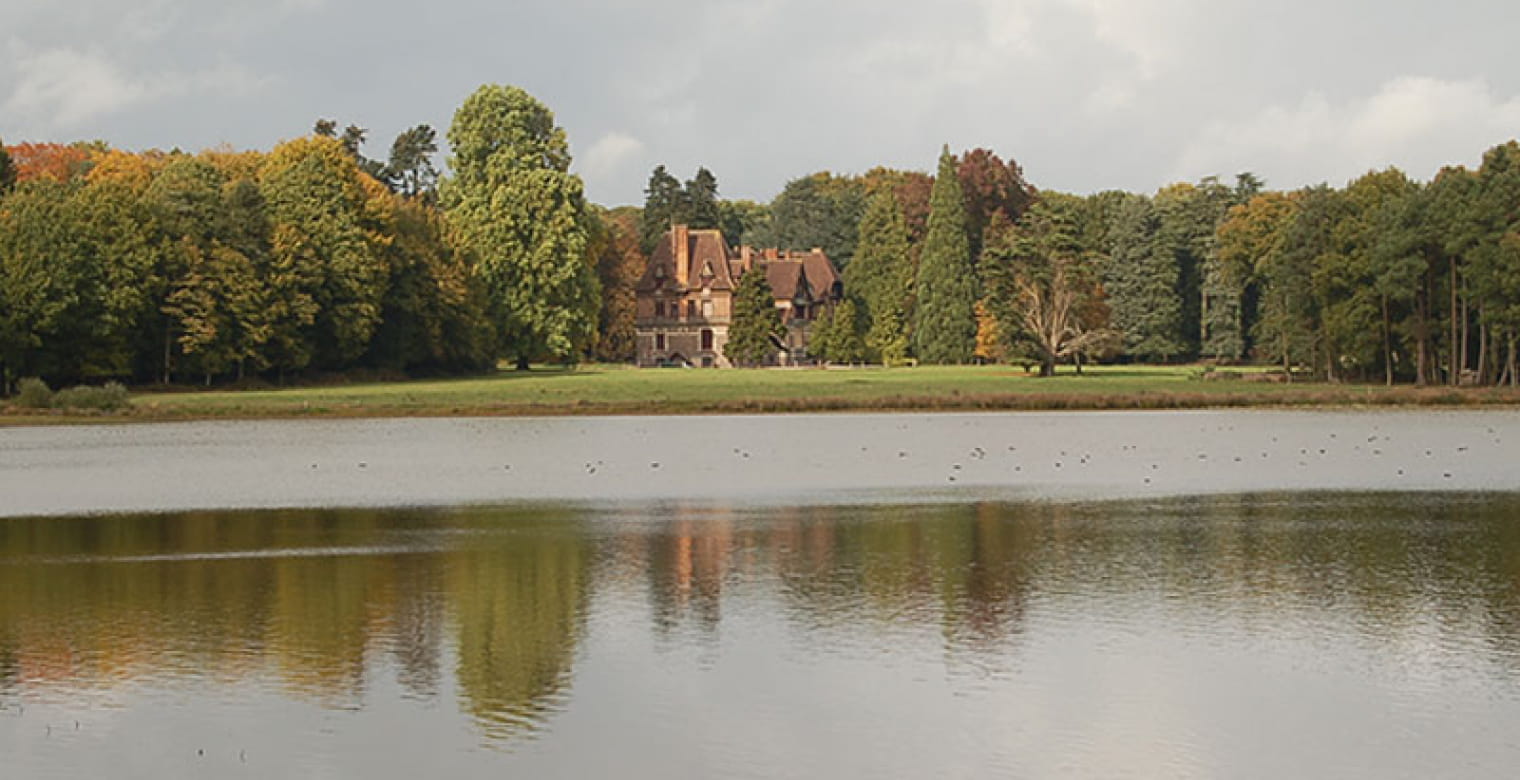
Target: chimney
pixel 681 251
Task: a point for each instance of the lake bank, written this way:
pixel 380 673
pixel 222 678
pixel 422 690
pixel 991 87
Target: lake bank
pixel 754 458
pixel 613 391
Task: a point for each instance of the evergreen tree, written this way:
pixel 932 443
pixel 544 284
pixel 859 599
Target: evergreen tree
pixel 821 210
pixel 1142 278
pixel 945 317
pixel 664 205
pixel 410 170
pixel 756 322
pixel 701 201
pixel 881 277
pixel 521 212
pixel 1288 329
pixel 839 335
pixel 7 171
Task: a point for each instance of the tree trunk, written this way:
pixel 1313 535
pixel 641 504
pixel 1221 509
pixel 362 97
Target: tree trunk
pixel 1466 329
pixel 1483 359
pixel 168 341
pixel 1048 365
pixel 522 363
pixel 1451 347
pixel 1513 368
pixel 1422 340
pixel 1387 346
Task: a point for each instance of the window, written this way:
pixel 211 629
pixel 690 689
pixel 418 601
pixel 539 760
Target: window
pixel 659 341
pixel 707 339
pixel 707 309
pixel 659 308
pixel 691 308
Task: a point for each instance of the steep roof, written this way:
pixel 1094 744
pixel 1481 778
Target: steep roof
pixel 820 271
pixel 787 279
pixel 704 261
pixel 808 273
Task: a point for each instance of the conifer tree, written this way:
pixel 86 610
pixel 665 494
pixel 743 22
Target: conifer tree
pixel 7 171
pixel 1141 279
pixel 664 205
pixel 840 334
pixel 945 318
pixel 701 200
pixel 756 321
pixel 881 278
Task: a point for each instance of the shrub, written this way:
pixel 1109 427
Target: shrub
pixel 33 393
pixel 108 398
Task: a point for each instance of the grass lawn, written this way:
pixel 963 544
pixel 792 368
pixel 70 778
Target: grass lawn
pixel 621 390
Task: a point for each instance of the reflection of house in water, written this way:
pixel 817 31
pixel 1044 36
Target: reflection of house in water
pixel 685 300
pixel 688 564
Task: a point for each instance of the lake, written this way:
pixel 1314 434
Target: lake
pixel 1096 595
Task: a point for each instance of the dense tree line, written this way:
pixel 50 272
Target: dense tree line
pixel 309 258
pixel 314 258
pixel 220 265
pixel 1387 279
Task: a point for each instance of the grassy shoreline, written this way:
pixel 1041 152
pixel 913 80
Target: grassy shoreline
pixel 610 390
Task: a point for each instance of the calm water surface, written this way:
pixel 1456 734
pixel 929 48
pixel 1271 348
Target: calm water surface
pixel 1271 635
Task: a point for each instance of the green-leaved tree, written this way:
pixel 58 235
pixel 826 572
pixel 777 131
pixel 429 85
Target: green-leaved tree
pixel 521 212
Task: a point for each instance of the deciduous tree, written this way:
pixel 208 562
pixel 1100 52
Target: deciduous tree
pixel 521 212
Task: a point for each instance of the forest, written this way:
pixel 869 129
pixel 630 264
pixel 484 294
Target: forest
pixel 312 259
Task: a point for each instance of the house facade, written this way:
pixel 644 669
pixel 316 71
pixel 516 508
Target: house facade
pixel 684 303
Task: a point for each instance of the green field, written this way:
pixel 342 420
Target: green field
pixel 620 390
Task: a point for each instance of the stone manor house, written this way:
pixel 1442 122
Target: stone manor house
pixel 685 300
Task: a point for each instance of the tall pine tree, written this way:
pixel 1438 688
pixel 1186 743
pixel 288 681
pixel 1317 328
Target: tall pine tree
pixel 945 318
pixel 664 205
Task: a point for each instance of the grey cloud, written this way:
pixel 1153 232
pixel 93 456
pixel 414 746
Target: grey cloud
pixel 1086 94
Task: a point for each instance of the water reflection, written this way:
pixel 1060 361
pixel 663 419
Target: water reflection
pixel 494 614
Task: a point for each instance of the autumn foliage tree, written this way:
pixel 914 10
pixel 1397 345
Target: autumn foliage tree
pixel 1043 289
pixel 619 264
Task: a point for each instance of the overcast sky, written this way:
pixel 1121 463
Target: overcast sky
pixel 1085 94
